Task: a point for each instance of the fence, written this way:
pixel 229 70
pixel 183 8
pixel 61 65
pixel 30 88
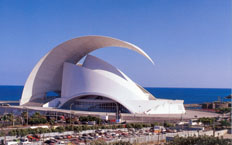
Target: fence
pixel 164 137
pixel 137 139
pixel 142 139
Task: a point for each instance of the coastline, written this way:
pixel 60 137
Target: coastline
pixel 189 95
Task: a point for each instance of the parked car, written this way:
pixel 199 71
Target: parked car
pixel 158 129
pixel 12 143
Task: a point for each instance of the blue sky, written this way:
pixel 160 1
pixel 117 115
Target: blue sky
pixel 189 40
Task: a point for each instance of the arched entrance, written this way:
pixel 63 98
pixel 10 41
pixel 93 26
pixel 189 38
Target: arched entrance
pixel 94 103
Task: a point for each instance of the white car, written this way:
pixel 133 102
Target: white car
pixel 12 143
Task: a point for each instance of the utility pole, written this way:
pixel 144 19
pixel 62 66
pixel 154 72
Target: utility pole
pixel 13 119
pixel 56 116
pixel 22 121
pixel 4 137
pixel 213 128
pixel 116 111
pixel 27 116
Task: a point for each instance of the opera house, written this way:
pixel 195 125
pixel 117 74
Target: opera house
pixel 93 85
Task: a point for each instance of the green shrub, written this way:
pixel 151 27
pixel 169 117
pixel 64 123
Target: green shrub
pixel 201 140
pixel 60 129
pixel 98 142
pixel 121 143
pixel 102 142
pixel 12 132
pixel 224 123
pixel 37 118
pixel 206 120
pixel 120 126
pixel 166 124
pixel 129 125
pixel 77 128
pixel 90 118
pixel 137 126
pixel 2 133
pixel 223 110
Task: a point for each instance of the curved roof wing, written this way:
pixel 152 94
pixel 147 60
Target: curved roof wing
pixel 47 74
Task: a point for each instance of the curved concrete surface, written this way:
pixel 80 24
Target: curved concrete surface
pixel 47 74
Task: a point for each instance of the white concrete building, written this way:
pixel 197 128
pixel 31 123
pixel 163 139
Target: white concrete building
pixel 94 85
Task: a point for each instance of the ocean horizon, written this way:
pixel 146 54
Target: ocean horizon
pixel 189 95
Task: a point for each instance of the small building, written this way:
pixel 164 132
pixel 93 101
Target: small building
pixel 216 105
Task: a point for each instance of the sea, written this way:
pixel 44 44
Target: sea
pixel 189 95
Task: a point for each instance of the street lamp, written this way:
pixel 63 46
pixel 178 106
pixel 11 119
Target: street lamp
pixel 117 111
pixel 70 113
pixel 27 114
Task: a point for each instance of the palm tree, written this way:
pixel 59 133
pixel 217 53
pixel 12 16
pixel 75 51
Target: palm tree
pixel 24 116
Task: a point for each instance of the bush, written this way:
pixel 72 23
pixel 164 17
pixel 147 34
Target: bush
pixel 23 132
pixel 223 110
pixel 129 126
pixel 2 133
pixel 98 142
pixel 120 126
pixel 102 142
pixel 146 125
pixel 201 140
pixel 121 143
pixel 137 126
pixel 51 122
pixel 156 124
pixel 12 133
pixel 225 123
pixel 114 127
pixel 90 118
pixel 206 120
pixel 77 128
pixel 103 127
pixel 166 124
pixel 37 118
pixel 60 129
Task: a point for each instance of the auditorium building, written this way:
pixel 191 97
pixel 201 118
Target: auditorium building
pixel 59 80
